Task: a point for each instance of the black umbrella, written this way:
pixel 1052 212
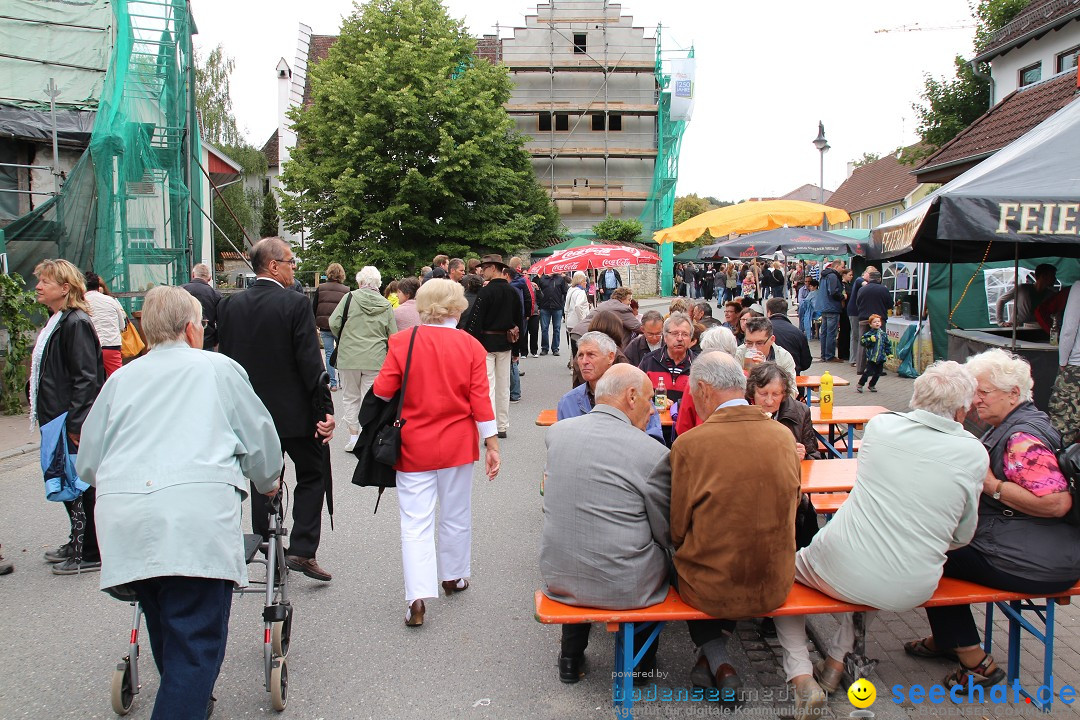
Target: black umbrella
pixel 790 241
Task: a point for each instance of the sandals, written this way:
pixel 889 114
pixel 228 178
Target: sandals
pixel 414 614
pixel 919 649
pixel 979 675
pixel 452 586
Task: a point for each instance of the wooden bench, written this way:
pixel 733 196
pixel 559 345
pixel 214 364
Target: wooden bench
pixel 828 503
pixel 852 416
pixel 840 445
pixel 549 417
pixel 807 601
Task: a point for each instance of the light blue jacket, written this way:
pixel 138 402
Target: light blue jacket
pixel 576 403
pixel 170 444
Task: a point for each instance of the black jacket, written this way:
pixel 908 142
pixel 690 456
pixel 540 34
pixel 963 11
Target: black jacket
pixel 795 416
pixel 209 298
pixel 72 372
pixel 874 298
pixel 554 289
pixel 375 414
pixel 497 309
pixel 793 340
pixel 270 331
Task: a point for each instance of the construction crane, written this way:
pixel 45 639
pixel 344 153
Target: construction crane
pixel 916 27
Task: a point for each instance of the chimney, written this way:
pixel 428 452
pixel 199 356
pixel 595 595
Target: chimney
pixel 284 81
pixel 850 168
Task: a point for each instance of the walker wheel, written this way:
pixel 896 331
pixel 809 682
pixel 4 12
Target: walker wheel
pixel 281 632
pixel 279 684
pixel 122 693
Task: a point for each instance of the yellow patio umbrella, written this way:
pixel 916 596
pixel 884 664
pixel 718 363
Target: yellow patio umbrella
pixel 751 216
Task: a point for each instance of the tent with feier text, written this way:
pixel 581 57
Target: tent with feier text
pixel 1010 205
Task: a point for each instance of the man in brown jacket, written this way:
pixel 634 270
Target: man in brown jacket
pixel 733 529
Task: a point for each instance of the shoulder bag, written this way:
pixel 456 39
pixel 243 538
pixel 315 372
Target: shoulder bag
pixel 387 446
pixel 341 333
pixel 131 343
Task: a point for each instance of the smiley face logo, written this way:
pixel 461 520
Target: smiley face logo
pixel 862 693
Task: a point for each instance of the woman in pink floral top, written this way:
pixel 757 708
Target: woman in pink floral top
pixel 1022 543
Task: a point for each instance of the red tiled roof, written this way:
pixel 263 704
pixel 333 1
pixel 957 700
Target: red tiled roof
pixel 878 183
pixel 1038 18
pixel 1017 113
pixel 318 48
pixel 270 150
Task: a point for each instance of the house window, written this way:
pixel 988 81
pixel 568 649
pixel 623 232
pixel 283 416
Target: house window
pixel 562 121
pixel 614 122
pixel 544 122
pixel 1031 74
pixel 895 211
pixel 141 238
pixel 579 43
pixel 597 122
pixel 881 218
pixel 1067 59
pixel 266 186
pixel 869 221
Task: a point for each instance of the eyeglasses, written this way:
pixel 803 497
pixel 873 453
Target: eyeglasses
pixel 679 335
pixel 755 343
pixel 290 261
pixel 983 394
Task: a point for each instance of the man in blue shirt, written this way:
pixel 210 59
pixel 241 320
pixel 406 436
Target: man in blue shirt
pixel 609 280
pixel 595 355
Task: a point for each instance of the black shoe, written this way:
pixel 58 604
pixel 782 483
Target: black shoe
pixel 555 353
pixel 70 567
pixel 542 353
pixel 502 433
pixel 571 669
pixel 210 706
pixel 60 554
pixel 521 373
pixel 645 672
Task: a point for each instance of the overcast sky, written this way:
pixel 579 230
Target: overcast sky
pixel 766 73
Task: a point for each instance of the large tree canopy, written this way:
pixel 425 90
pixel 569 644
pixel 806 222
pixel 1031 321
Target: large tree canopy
pixel 406 150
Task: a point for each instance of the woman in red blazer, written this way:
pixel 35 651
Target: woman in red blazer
pixel 447 410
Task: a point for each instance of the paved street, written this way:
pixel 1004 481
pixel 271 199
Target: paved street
pixel 480 654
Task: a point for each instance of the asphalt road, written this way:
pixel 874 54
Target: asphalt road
pixel 480 654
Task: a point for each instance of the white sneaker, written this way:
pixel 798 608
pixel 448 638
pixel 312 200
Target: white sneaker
pixel 535 355
pixel 352 443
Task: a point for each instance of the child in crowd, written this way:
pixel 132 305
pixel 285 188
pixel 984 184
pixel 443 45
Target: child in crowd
pixel 807 313
pixel 877 347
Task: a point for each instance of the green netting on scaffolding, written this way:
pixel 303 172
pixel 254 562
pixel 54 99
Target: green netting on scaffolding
pixel 125 210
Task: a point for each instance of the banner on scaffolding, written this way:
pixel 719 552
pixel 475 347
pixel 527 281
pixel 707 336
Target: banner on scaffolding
pixel 682 88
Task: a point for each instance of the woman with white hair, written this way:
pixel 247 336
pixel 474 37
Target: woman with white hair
pixel 170 445
pixel 575 307
pixel 915 498
pixel 362 323
pixel 447 409
pixel 1022 542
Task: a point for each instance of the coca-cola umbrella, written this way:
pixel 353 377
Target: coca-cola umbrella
pixel 593 257
pixel 788 240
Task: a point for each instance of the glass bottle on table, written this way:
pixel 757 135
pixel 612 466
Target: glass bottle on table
pixel 660 395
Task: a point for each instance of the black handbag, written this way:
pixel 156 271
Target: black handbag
pixel 387 446
pixel 341 333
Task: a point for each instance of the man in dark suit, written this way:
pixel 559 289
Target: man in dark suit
pixel 271 332
pixel 787 335
pixel 209 298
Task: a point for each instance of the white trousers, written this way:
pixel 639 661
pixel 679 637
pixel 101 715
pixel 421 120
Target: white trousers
pixel 354 386
pixel 417 492
pixel 498 372
pixel 791 632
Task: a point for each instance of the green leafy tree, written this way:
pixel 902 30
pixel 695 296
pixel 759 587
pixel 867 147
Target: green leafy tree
pixel 866 159
pixel 688 206
pixel 615 230
pixel 16 303
pixel 234 210
pixel 951 104
pixel 406 150
pixel 268 224
pixel 213 98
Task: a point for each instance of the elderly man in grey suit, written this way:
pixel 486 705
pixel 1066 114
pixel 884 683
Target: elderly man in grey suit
pixel 607 494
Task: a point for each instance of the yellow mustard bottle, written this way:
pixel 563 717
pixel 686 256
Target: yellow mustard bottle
pixel 825 395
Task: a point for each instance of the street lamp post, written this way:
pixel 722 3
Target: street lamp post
pixel 823 147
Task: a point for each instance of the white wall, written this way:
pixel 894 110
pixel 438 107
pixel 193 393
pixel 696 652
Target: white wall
pixel 1006 69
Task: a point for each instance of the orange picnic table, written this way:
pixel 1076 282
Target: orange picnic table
pixel 853 416
pixel 547 418
pixel 813 382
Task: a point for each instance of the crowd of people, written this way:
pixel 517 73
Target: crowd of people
pixel 632 506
